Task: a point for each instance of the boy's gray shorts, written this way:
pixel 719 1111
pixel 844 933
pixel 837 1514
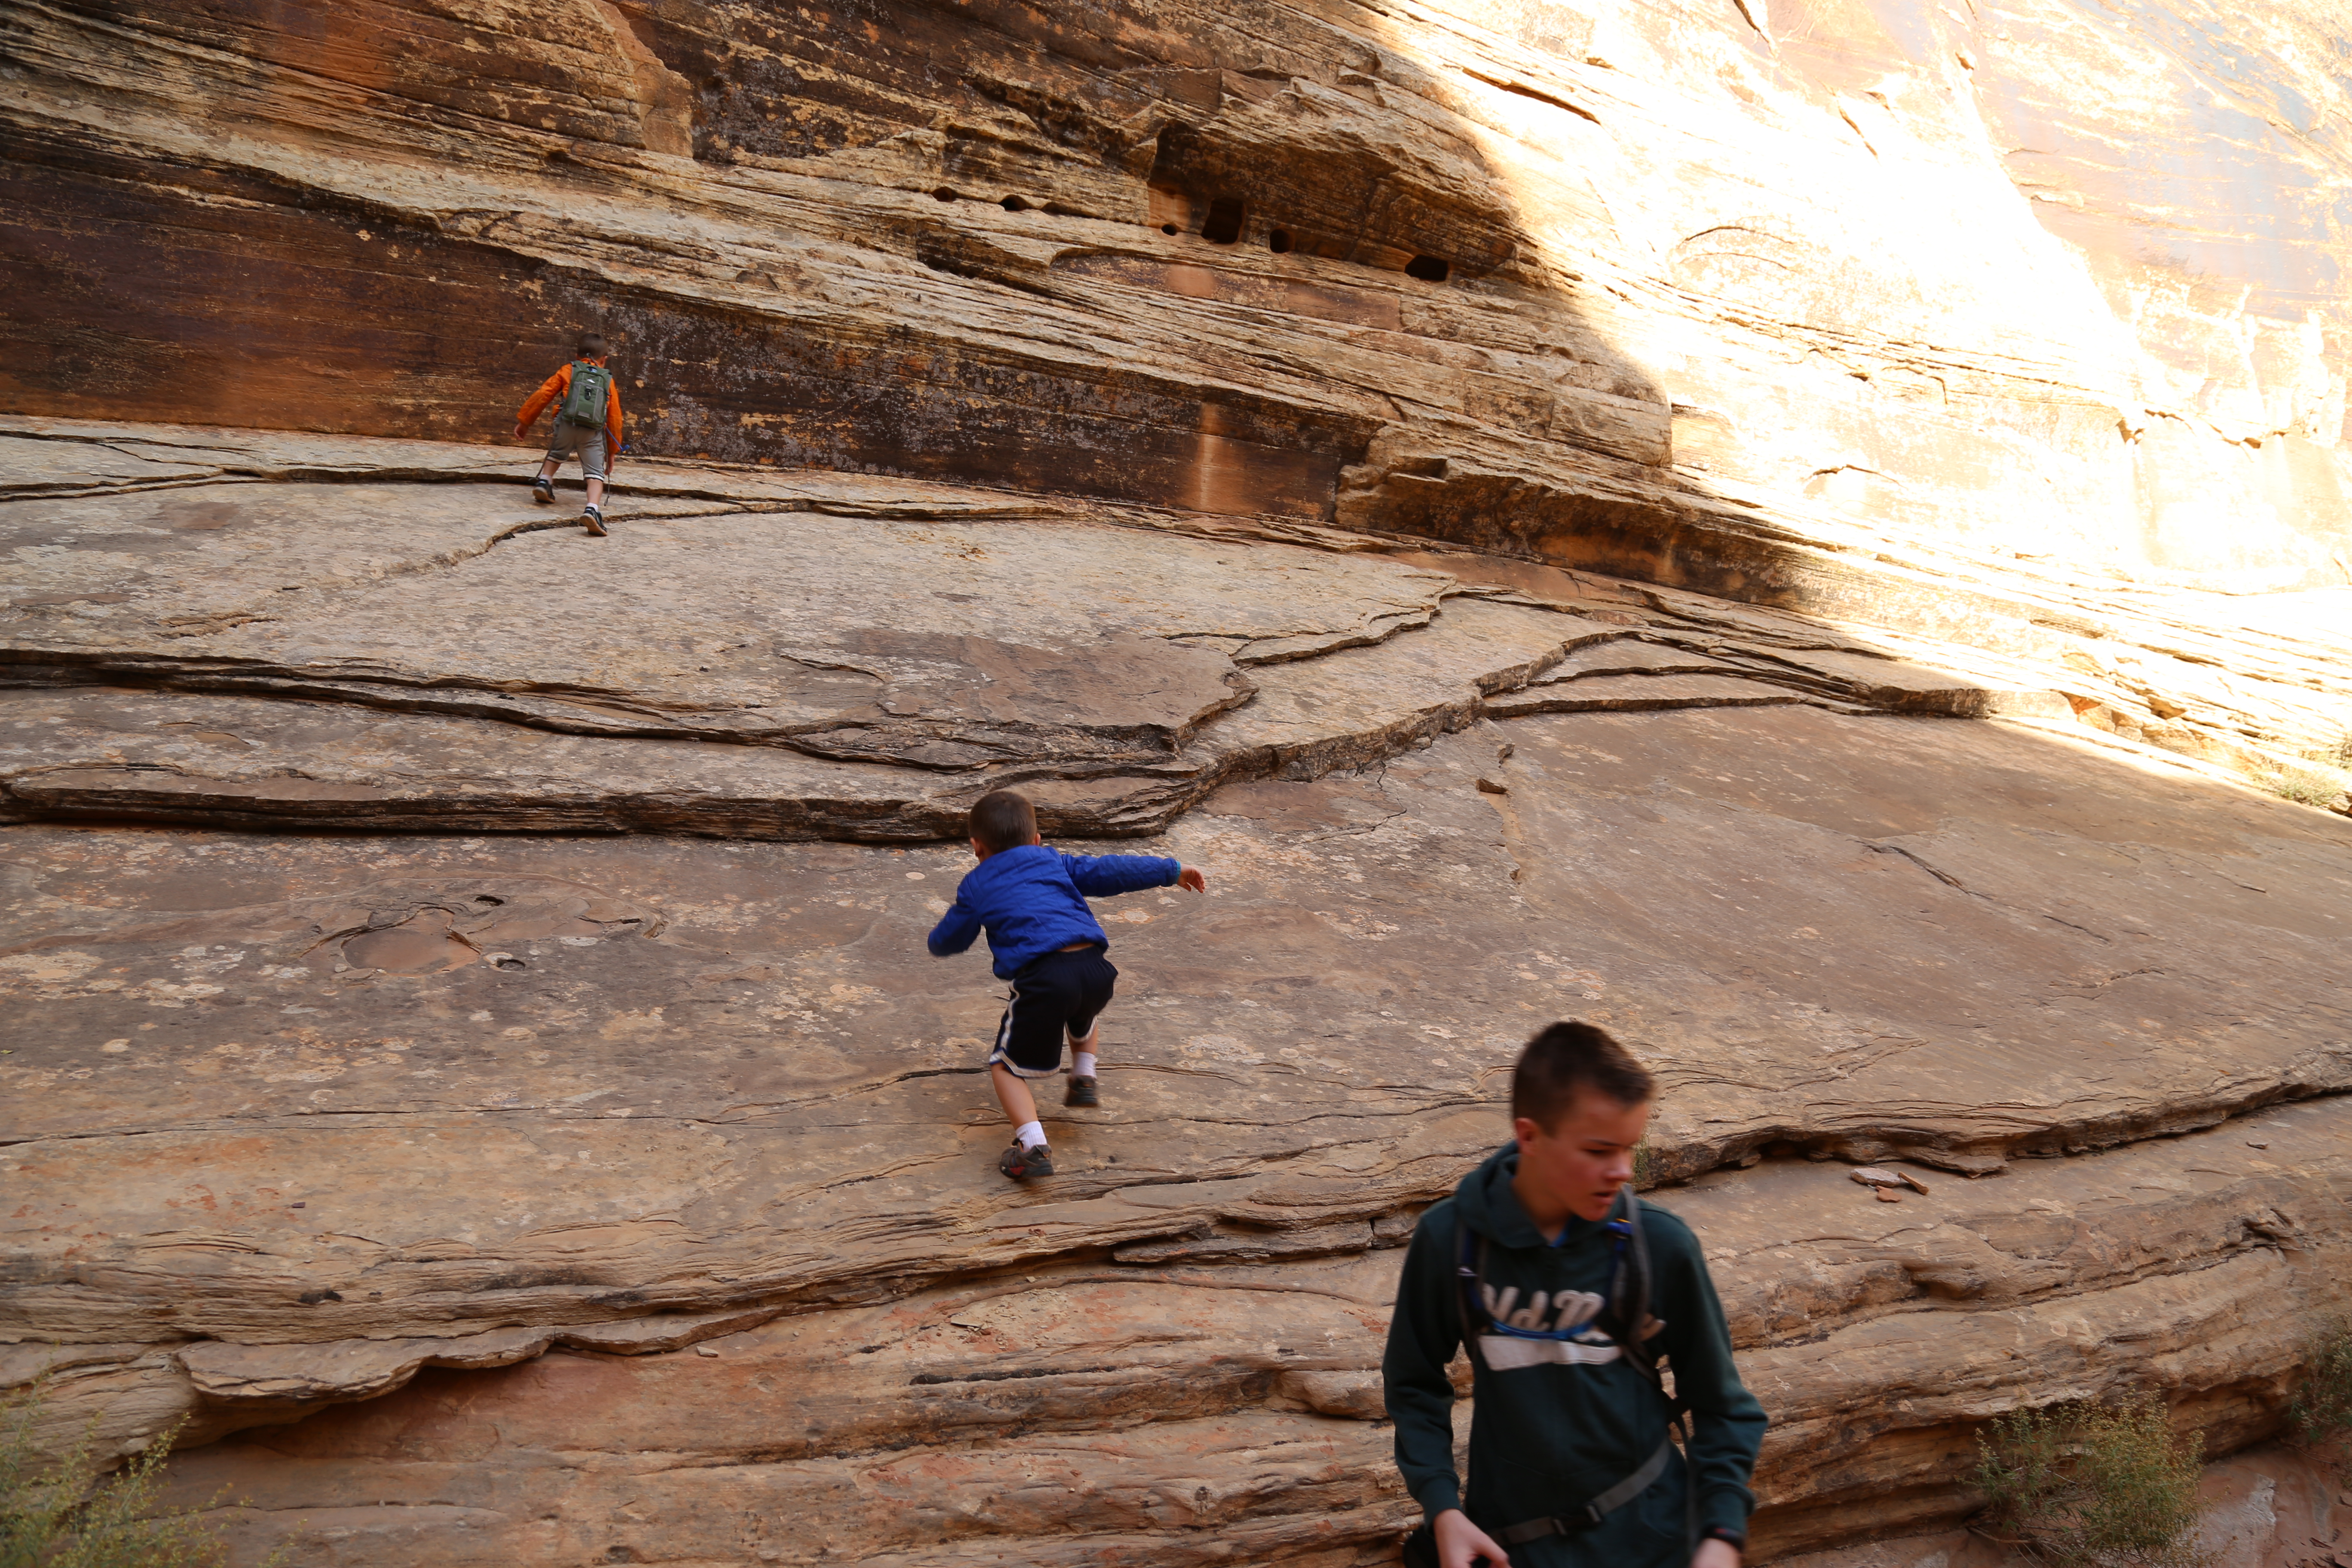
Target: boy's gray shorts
pixel 586 441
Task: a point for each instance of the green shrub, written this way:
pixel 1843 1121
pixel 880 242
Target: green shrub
pixel 2322 1408
pixel 2306 786
pixel 65 1514
pixel 2083 1486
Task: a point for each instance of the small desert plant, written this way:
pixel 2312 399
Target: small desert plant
pixel 2091 1486
pixel 2306 786
pixel 65 1514
pixel 2322 1408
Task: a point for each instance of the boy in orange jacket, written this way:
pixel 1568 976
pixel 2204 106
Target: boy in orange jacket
pixel 587 398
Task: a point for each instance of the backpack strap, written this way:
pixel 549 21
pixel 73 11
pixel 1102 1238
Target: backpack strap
pixel 1627 1310
pixel 1470 1274
pixel 1589 1515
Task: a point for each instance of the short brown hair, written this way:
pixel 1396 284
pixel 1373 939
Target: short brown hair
pixel 1568 1057
pixel 592 345
pixel 1002 819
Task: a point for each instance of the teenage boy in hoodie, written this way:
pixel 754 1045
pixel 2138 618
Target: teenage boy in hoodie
pixel 1031 901
pixel 1562 1427
pixel 588 425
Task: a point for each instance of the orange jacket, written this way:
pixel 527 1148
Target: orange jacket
pixel 556 387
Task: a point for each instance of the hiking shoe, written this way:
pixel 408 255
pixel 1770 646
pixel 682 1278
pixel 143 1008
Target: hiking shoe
pixel 1022 1163
pixel 1082 1091
pixel 542 491
pixel 593 521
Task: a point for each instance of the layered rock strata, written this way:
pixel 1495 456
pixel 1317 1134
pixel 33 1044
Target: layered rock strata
pixel 455 664
pixel 724 1140
pixel 1526 496
pixel 1878 311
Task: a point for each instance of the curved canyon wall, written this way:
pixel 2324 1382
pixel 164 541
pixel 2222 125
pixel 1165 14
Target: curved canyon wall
pixel 1528 495
pixel 2047 280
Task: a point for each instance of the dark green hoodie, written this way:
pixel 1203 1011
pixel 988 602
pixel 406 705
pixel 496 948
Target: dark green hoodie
pixel 1571 1418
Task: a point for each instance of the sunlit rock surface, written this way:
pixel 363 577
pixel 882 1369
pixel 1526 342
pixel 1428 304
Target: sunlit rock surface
pixel 1785 529
pixel 629 1074
pixel 1737 294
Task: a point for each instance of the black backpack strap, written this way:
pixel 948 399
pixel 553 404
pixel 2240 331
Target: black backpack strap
pixel 1627 1310
pixel 1589 1515
pixel 1470 1273
pixel 1628 1307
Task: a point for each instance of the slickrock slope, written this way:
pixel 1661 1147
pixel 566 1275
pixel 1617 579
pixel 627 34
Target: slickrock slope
pixel 1786 529
pixel 462 665
pixel 1184 1413
pixel 1946 320
pixel 650 1136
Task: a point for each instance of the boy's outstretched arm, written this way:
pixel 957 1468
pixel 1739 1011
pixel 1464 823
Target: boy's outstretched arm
pixel 1102 875
pixel 956 930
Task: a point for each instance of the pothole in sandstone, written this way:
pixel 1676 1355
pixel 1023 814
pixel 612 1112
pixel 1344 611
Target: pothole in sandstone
pixel 419 945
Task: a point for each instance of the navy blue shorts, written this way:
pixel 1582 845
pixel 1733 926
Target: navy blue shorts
pixel 1058 994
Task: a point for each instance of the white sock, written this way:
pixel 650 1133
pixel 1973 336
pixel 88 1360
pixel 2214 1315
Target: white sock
pixel 1029 1134
pixel 1082 1065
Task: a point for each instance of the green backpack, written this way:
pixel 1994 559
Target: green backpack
pixel 584 404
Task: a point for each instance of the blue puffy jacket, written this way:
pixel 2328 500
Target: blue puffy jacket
pixel 1031 901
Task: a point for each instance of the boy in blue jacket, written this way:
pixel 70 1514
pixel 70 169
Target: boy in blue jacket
pixel 1031 901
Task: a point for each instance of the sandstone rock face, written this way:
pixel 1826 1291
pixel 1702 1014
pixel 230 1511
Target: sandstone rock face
pixel 1781 527
pixel 1740 295
pixel 650 1135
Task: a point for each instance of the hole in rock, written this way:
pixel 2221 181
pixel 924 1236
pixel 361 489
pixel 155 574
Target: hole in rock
pixel 1013 205
pixel 488 899
pixel 1168 228
pixel 509 962
pixel 1223 224
pixel 407 949
pixel 1278 241
pixel 944 193
pixel 1428 268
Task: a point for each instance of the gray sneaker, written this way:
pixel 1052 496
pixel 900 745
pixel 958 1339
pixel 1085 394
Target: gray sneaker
pixel 593 520
pixel 1082 1091
pixel 542 491
pixel 1021 1164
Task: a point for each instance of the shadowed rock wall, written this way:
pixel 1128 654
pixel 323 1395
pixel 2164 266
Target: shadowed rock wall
pixel 1705 266
pixel 476 1055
